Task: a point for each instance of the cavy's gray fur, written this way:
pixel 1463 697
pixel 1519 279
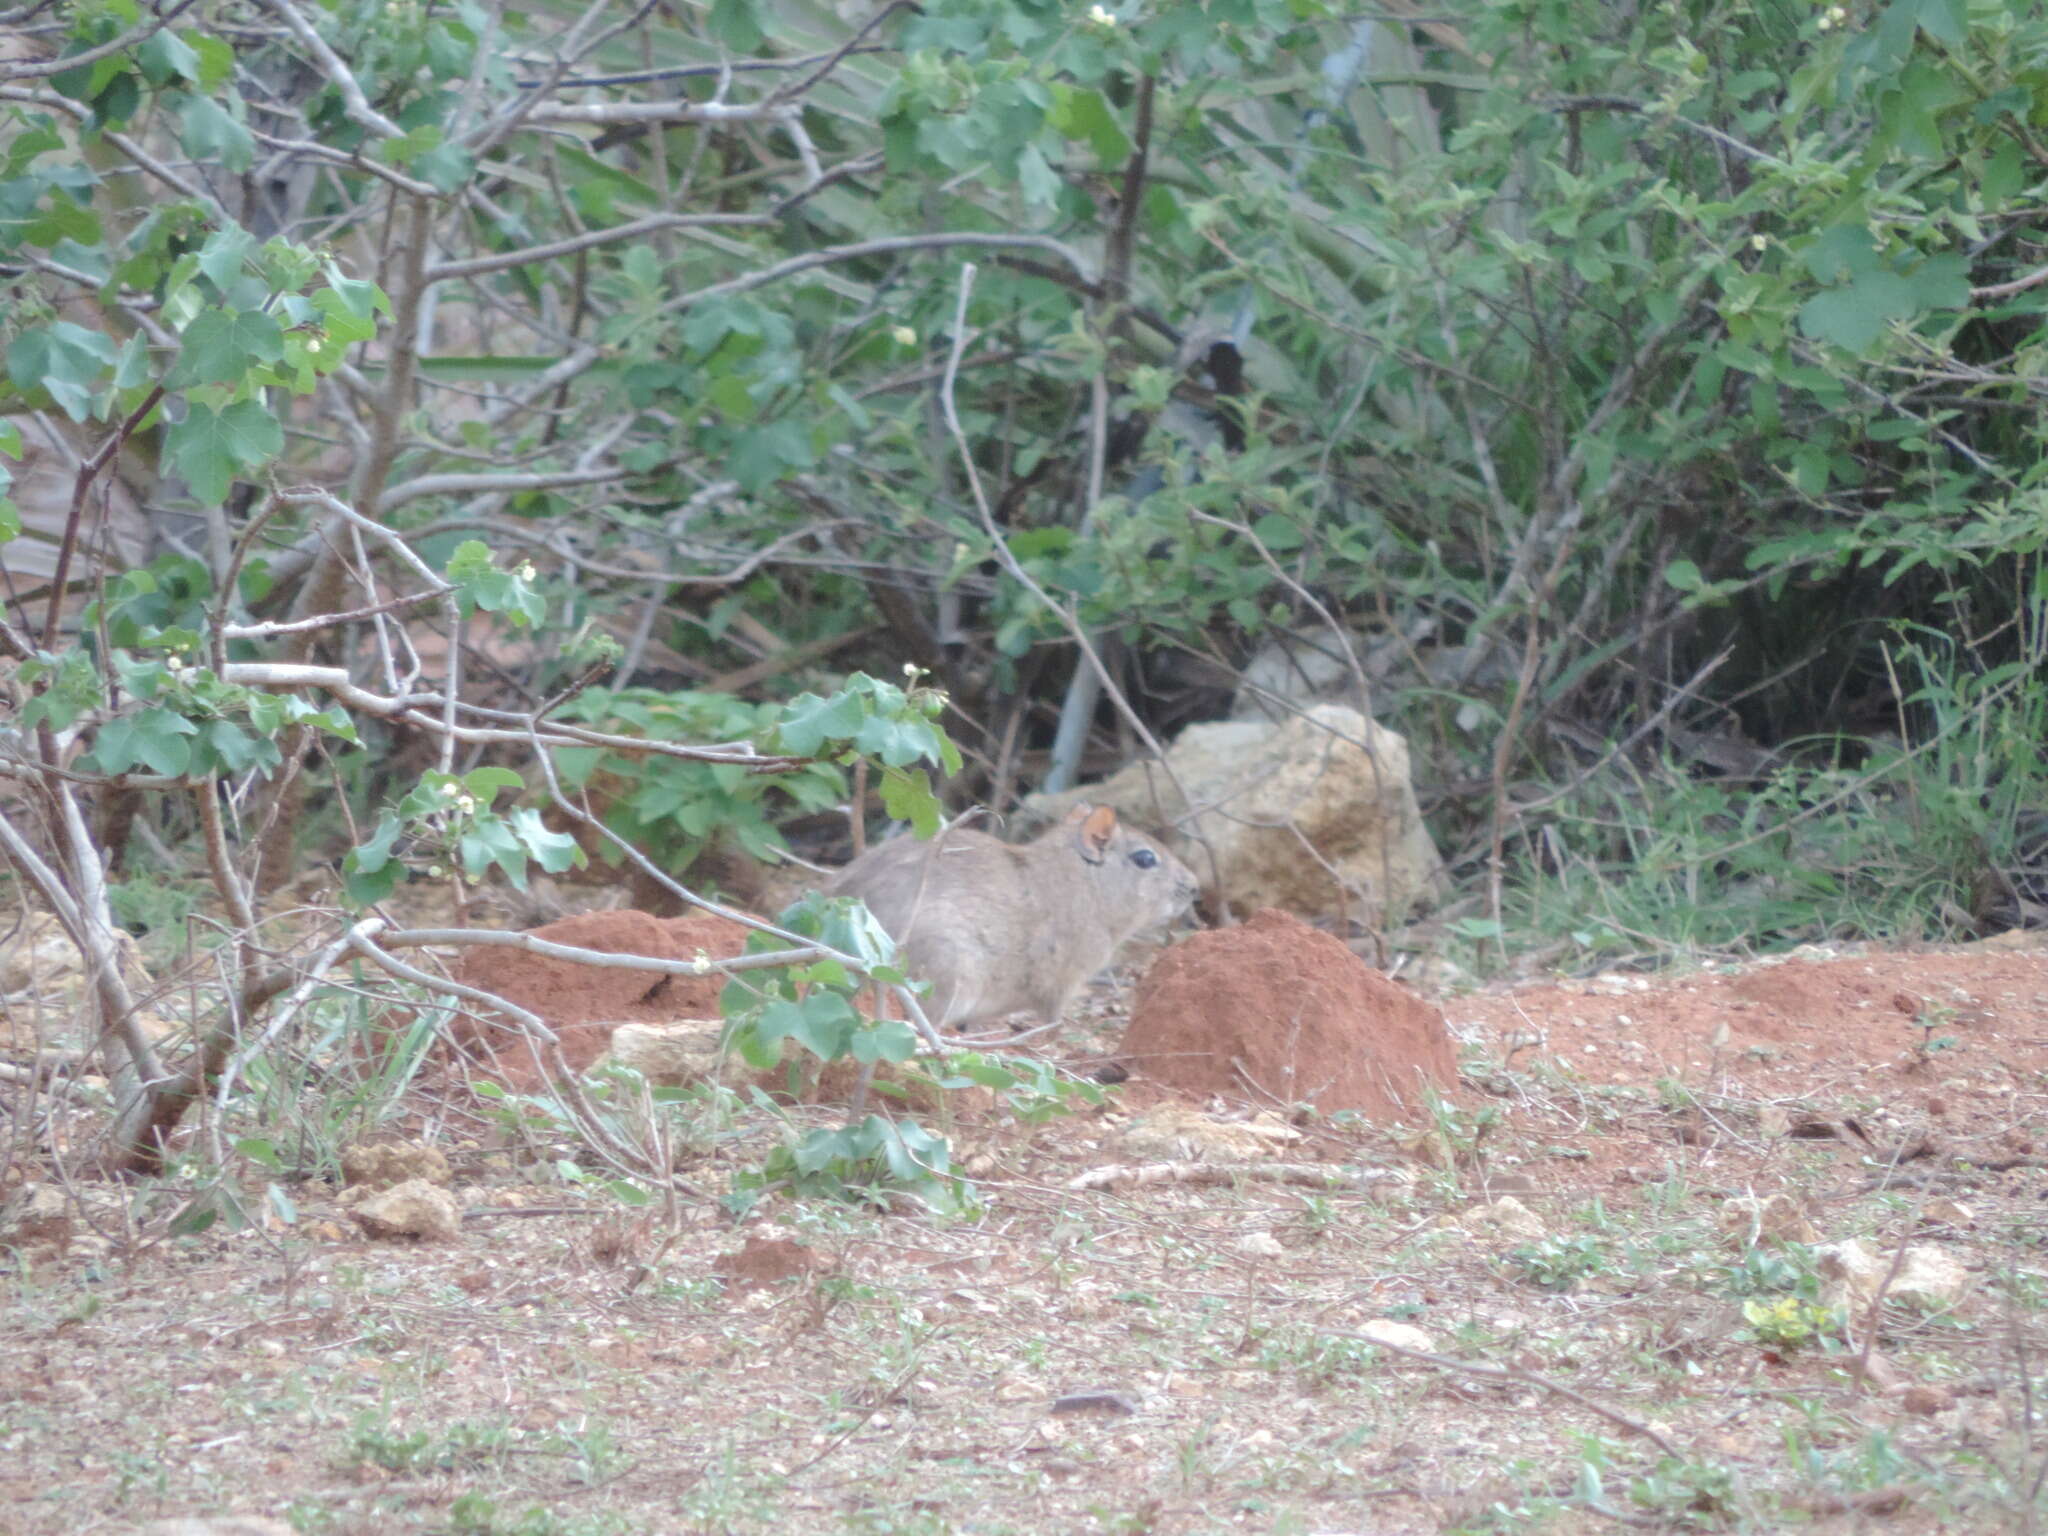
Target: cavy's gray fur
pixel 1000 929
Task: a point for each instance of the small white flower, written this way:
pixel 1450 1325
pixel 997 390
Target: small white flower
pixel 527 572
pixel 435 871
pixel 1826 23
pixel 1101 16
pixel 465 804
pixel 701 964
pixel 451 789
pixel 313 344
pixel 1759 242
pixel 904 336
pixel 1839 15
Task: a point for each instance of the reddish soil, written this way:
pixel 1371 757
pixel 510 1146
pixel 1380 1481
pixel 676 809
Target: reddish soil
pixel 583 1004
pixel 1277 1012
pixel 1811 1017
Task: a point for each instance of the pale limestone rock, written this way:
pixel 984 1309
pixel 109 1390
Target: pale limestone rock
pixel 1177 1133
pixel 1505 1219
pixel 384 1164
pixel 672 1055
pixel 412 1209
pixel 1382 1330
pixel 39 1214
pixel 1851 1275
pixel 1779 1218
pixel 1278 804
pixel 1260 1245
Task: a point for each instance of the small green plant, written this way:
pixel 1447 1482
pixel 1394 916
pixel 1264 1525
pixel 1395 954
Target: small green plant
pixel 1764 1271
pixel 1686 1494
pixel 1560 1263
pixel 1928 1045
pixel 1788 1322
pixel 874 1161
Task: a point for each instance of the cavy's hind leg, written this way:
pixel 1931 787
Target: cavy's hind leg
pixel 952 999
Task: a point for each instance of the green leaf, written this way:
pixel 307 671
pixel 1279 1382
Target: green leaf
pixel 1946 21
pixel 224 253
pixel 553 851
pixel 907 796
pixel 221 345
pixel 64 359
pixel 489 841
pixel 809 722
pixel 764 455
pixel 885 1040
pixel 210 134
pixel 157 739
pixel 1037 179
pixel 447 166
pixel 216 59
pixel 165 57
pixel 737 25
pixel 484 783
pixel 343 321
pixel 1086 114
pixel 209 446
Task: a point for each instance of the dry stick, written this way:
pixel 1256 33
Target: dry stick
pixel 1526 1378
pixel 1315 1175
pixel 544 1043
pixel 80 904
pixel 1875 1309
pixel 87 473
pixel 1078 709
pixel 1009 561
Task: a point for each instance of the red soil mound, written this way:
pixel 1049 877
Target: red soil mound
pixel 1276 1010
pixel 584 1003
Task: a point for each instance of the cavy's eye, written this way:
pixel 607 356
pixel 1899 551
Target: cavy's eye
pixel 1145 858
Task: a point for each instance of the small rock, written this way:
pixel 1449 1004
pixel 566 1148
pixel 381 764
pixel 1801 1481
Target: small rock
pixel 412 1209
pixel 1951 1213
pixel 1851 1276
pixel 385 1164
pixel 672 1055
pixel 1384 1330
pixel 1507 1219
pixel 1749 1220
pixel 39 1214
pixel 1926 1401
pixel 1176 1132
pixel 1260 1245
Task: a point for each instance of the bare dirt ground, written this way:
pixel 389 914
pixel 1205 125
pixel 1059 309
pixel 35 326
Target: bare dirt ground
pixel 1567 1238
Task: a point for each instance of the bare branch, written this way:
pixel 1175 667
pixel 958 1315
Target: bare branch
pixel 460 484
pixel 612 113
pixel 354 102
pixel 442 272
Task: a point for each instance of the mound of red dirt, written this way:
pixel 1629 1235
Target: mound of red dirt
pixel 584 1003
pixel 1277 1011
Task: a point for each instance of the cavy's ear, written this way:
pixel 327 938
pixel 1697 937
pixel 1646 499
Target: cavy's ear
pixel 1098 827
